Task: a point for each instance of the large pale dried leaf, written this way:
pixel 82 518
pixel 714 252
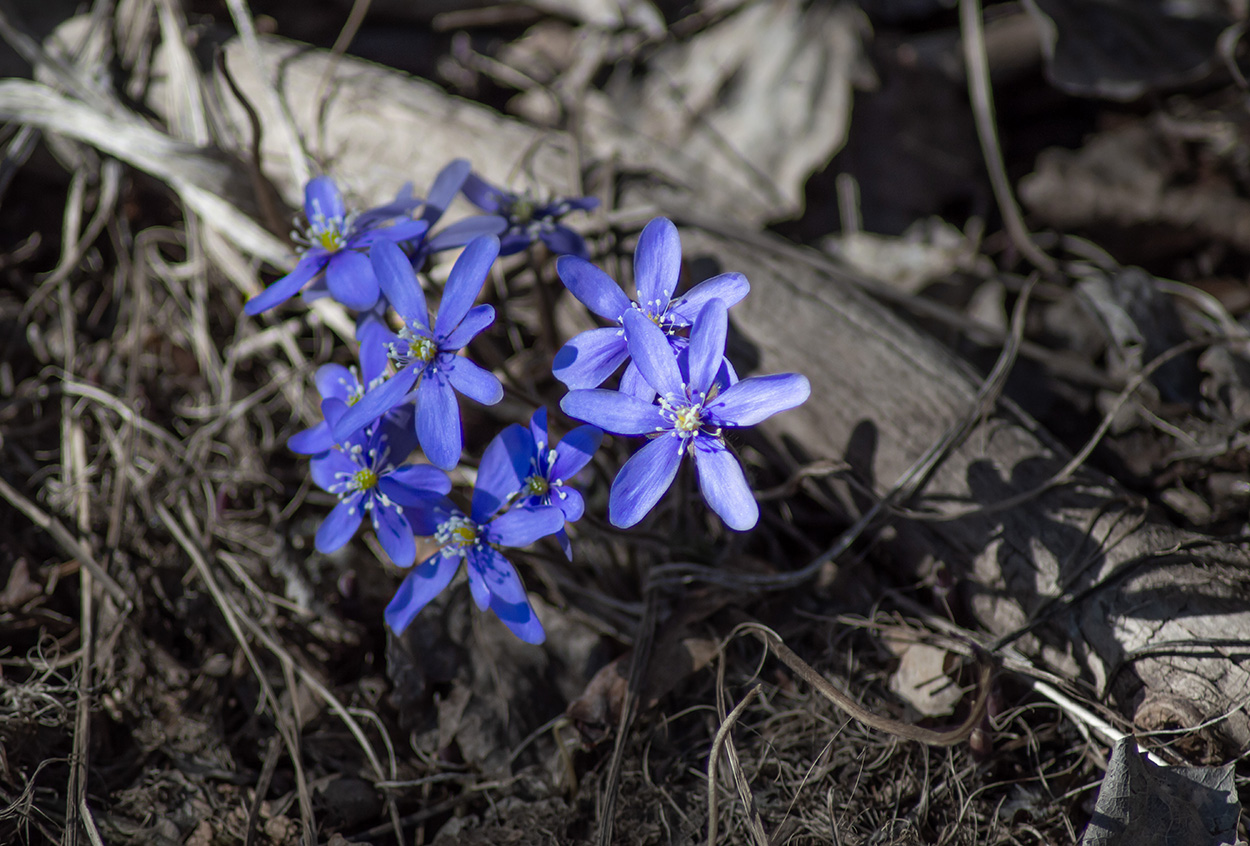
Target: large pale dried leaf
pixel 745 111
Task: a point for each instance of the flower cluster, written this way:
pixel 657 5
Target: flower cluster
pixel 683 395
pixel 677 390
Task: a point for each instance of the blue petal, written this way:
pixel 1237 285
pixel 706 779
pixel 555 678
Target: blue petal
pixel 588 359
pixel 513 241
pixel 523 526
pixel 575 452
pixel 723 484
pixel 322 199
pixel 464 283
pixel 445 188
pixel 757 398
pixel 613 411
pixel 538 429
pixel 595 289
pixel 327 470
pixel 484 195
pixel 564 241
pixel 657 264
pixel 286 287
pixel 398 232
pixel 474 382
pixel 650 350
pixel 463 231
pixel 474 323
pixel 570 502
pixel 400 284
pixel 520 620
pixel 438 421
pixel 427 514
pixel 414 484
pixel 643 480
pixel 707 345
pixel 405 201
pixel 498 574
pixel 312 441
pixel 418 588
pixel 350 278
pixel 340 524
pixel 477 587
pixel 373 354
pixel 502 471
pixel 729 288
pixel 375 403
pixel 401 230
pixel 395 534
pixel 335 381
pixel 633 383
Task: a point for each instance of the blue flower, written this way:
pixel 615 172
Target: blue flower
pixel 343 385
pixel 530 471
pixel 367 475
pixel 334 241
pixel 693 409
pixel 529 220
pixel 591 357
pixel 425 358
pixel 443 191
pixel 493 580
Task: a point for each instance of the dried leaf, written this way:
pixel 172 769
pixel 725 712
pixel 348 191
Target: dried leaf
pixel 1141 804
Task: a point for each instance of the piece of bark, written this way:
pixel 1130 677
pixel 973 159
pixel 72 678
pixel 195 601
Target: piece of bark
pixel 1137 608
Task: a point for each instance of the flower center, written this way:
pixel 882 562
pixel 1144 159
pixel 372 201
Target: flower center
pixel 688 419
pixel 537 485
pixel 363 479
pixel 521 210
pixel 457 531
pixel 329 239
pixel 411 347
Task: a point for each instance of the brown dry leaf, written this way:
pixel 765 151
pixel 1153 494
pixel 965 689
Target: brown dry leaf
pixel 673 659
pixel 19 589
pixel 920 679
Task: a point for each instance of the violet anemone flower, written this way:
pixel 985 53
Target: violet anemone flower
pixel 426 357
pixel 691 415
pixel 529 220
pixel 367 474
pixel 334 242
pixel 588 359
pixel 522 462
pixel 443 191
pixel 472 538
pixel 344 385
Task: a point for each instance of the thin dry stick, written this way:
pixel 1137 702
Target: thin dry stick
pixel 74 462
pixel 242 18
pixel 347 34
pixel 977 63
pixel 907 731
pixel 637 672
pixel 755 824
pixel 718 742
pixel 1066 472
